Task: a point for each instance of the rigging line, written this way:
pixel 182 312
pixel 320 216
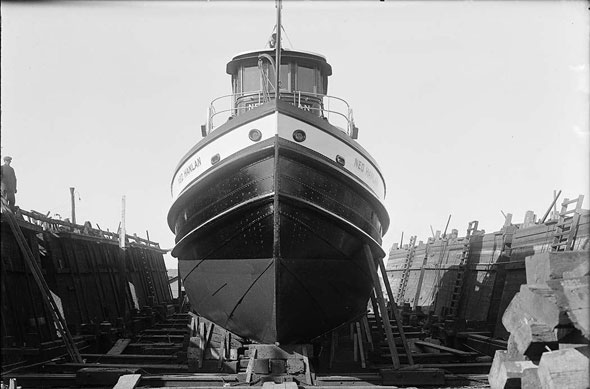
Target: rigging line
pixel 287 36
pixel 248 290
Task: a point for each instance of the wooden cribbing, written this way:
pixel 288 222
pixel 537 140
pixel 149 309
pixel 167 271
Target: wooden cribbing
pixel 507 370
pixel 566 368
pixel 547 266
pixel 572 296
pixel 541 304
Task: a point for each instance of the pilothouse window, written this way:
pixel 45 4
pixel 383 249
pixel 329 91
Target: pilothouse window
pixel 250 79
pixel 285 77
pixel 306 79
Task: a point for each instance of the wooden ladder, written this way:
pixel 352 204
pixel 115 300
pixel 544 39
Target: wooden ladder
pixel 48 299
pixel 458 286
pixel 148 279
pixel 566 229
pixel 401 291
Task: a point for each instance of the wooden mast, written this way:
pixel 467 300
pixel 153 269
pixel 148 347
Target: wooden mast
pixel 278 50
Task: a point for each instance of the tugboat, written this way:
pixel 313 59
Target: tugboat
pixel 272 208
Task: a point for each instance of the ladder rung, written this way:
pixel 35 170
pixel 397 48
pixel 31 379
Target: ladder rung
pixel 569 202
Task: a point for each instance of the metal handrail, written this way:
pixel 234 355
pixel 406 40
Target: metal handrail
pixel 295 97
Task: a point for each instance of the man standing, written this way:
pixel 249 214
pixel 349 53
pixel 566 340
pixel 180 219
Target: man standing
pixel 8 182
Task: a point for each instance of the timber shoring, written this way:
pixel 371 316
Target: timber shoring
pixel 493 275
pixel 88 274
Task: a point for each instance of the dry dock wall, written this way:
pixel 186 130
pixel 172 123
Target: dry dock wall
pixel 492 274
pixel 91 278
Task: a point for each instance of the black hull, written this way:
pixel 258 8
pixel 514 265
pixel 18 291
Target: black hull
pixel 270 243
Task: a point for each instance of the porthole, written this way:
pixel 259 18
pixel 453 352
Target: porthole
pixel 255 135
pixel 299 135
pixel 340 159
pixel 215 159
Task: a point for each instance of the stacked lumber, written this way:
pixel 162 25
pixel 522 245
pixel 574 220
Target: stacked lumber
pixel 548 322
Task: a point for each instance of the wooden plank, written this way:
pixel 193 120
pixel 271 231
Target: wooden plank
pixel 422 377
pixel 444 348
pixel 566 368
pixel 127 381
pixel 102 376
pixel 249 369
pixel 194 353
pixel 308 371
pixel 119 347
pixel 129 358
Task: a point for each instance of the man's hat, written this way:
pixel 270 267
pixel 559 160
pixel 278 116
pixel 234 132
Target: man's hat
pixel 8 158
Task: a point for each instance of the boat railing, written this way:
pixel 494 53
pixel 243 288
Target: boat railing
pixel 333 109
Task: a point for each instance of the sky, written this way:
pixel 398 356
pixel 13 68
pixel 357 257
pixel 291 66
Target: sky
pixel 471 109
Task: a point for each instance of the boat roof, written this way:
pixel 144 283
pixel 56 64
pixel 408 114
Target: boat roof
pixel 303 56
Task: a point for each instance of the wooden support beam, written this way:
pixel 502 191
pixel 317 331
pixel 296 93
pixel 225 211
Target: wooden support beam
pixel 127 381
pixel 250 368
pixel 395 311
pixel 381 303
pixel 308 369
pixel 454 351
pixel 367 329
pixel 572 296
pixel 119 346
pixel 547 266
pixel 359 336
pixel 333 344
pixel 414 377
pixel 532 339
pixel 541 304
pixel 102 376
pixel 377 317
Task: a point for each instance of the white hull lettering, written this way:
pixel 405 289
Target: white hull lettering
pixel 195 163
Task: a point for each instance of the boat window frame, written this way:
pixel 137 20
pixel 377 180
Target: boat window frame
pixel 242 72
pixel 291 65
pixel 317 77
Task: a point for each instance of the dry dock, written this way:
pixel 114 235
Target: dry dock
pixel 80 312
